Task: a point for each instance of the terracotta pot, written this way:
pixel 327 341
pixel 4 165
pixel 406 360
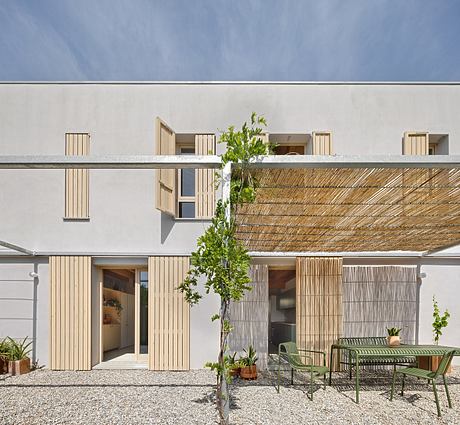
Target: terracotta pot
pixel 235 372
pixel 393 341
pixel 431 363
pixel 19 367
pixel 249 372
pixel 3 366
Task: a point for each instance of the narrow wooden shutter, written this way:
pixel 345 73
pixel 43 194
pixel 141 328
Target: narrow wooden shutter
pixel 205 144
pixel 319 317
pixel 70 312
pixel 265 137
pixel 76 180
pixel 169 314
pixel 165 188
pixel 322 143
pixel 415 143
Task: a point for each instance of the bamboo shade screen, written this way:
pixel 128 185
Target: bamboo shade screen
pixel 70 313
pixel 165 187
pixel 169 314
pixel 322 143
pixel 415 143
pixel 379 297
pixel 319 319
pixel 205 144
pixel 249 317
pixel 76 180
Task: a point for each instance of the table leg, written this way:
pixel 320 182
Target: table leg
pixel 330 366
pixel 357 378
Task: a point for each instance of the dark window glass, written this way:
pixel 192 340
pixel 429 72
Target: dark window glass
pixel 187 182
pixel 187 209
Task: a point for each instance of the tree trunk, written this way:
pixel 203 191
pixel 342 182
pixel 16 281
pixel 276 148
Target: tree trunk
pixel 223 398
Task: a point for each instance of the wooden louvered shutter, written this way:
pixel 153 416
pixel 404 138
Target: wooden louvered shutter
pixel 205 144
pixel 76 180
pixel 322 143
pixel 70 312
pixel 165 188
pixel 169 314
pixel 415 143
pixel 319 317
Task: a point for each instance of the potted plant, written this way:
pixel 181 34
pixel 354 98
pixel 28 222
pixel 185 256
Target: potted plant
pixel 18 360
pixel 4 355
pixel 248 364
pixel 233 365
pixel 393 338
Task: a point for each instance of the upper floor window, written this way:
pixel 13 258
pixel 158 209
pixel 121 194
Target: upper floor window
pixel 424 143
pixel 318 143
pixel 186 186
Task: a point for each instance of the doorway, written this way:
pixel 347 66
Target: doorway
pixel 123 297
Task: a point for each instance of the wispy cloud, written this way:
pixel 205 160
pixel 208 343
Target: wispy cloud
pixel 229 40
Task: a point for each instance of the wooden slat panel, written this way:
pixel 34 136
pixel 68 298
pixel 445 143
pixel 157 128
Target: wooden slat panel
pixel 169 314
pixel 165 180
pixel 415 143
pixel 322 143
pixel 70 313
pixel 77 181
pixel 204 179
pixel 319 308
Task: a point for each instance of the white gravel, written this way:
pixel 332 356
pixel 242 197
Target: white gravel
pixel 142 397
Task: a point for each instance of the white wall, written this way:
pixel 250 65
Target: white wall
pixel 442 281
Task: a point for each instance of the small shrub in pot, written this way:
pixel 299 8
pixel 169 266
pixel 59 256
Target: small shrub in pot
pixel 393 338
pixel 18 357
pixel 249 367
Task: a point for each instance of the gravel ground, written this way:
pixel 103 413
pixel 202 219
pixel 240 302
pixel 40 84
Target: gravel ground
pixel 140 396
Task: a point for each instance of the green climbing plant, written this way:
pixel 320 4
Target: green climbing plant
pixel 439 322
pixel 220 258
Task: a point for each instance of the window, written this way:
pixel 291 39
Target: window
pixel 438 144
pixel 186 186
pixel 424 143
pixel 289 144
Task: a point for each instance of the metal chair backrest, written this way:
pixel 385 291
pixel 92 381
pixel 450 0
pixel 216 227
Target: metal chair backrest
pixel 289 351
pixel 444 363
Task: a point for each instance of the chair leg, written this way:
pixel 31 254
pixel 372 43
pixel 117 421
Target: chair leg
pixel 311 385
pixel 349 371
pixel 324 378
pixel 292 376
pixel 436 398
pixel 447 391
pixel 402 387
pixel 278 388
pixel 393 385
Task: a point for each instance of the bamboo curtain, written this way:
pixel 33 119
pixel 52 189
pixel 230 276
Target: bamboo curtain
pixel 249 317
pixel 76 180
pixel 70 313
pixel 319 317
pixel 204 179
pixel 165 180
pixel 169 314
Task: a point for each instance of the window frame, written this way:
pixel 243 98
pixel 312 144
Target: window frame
pixel 181 198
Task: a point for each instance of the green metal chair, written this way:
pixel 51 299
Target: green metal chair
pixel 294 357
pixel 429 375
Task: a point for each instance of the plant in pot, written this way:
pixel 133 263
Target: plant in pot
pixel 233 365
pixel 393 338
pixel 249 367
pixel 439 322
pixel 18 357
pixel 4 355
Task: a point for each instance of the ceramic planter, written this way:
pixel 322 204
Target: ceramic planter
pixel 394 341
pixel 431 363
pixel 249 372
pixel 235 371
pixel 19 367
pixel 3 366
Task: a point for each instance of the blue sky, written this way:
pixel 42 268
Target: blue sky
pixel 358 40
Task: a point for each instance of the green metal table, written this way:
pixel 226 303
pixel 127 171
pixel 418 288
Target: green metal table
pixel 379 351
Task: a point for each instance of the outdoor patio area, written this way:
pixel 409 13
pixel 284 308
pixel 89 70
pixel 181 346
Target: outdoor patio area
pixel 140 396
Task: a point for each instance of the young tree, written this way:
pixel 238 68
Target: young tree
pixel 220 257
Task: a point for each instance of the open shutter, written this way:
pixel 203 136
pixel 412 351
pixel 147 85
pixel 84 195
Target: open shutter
pixel 205 144
pixel 322 143
pixel 169 314
pixel 165 189
pixel 70 312
pixel 76 180
pixel 415 143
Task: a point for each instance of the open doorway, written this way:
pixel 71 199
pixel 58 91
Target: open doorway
pixel 118 315
pixel 282 309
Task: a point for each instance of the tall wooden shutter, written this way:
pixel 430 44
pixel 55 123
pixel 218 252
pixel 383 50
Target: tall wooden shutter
pixel 76 180
pixel 205 144
pixel 70 313
pixel 319 317
pixel 415 143
pixel 169 314
pixel 165 188
pixel 322 143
